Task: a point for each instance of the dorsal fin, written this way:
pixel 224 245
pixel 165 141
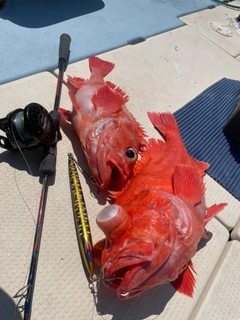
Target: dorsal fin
pixel 106 98
pixel 185 282
pixel 103 66
pixel 142 135
pixel 188 184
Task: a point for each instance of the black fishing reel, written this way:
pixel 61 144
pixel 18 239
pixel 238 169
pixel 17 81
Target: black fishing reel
pixel 30 128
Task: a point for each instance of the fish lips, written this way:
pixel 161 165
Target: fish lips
pixel 126 276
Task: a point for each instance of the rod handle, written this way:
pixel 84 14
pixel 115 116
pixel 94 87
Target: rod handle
pixel 64 46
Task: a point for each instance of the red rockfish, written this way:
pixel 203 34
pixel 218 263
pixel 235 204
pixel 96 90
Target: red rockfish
pixel 110 136
pixel 154 227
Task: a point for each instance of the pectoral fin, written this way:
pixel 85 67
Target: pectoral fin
pixel 185 282
pixel 188 184
pixel 106 98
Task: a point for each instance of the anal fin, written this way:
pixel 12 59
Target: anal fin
pixel 213 211
pixel 65 114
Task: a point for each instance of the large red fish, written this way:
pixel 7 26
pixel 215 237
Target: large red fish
pixel 110 137
pixel 153 228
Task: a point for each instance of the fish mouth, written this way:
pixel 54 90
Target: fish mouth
pixel 127 280
pixel 117 176
pixel 112 177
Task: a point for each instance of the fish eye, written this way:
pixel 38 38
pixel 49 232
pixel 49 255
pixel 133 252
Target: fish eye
pixel 131 155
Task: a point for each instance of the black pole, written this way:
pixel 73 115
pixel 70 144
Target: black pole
pixel 35 252
pixel 47 169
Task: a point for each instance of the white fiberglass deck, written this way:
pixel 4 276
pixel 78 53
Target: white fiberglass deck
pixel 160 74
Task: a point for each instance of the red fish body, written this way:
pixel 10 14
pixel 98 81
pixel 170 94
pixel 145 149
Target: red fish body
pixel 110 137
pixel 153 228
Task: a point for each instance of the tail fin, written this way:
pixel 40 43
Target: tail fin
pixel 164 122
pixel 167 125
pixel 104 66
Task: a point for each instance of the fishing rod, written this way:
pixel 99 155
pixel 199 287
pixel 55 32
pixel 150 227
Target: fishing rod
pixel 47 169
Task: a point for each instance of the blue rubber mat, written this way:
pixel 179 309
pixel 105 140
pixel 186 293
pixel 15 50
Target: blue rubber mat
pixel 30 30
pixel 201 122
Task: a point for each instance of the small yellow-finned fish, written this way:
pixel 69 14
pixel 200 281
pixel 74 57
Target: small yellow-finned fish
pixel 80 216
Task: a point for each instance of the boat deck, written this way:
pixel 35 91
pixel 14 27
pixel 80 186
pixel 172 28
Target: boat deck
pixel 166 54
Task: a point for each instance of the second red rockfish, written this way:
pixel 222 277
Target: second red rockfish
pixel 110 136
pixel 154 227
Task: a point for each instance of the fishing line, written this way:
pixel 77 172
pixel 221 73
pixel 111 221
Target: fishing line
pixel 84 172
pixel 98 281
pixel 31 174
pixel 95 300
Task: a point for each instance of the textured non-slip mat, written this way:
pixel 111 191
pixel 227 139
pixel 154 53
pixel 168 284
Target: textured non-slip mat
pixel 201 122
